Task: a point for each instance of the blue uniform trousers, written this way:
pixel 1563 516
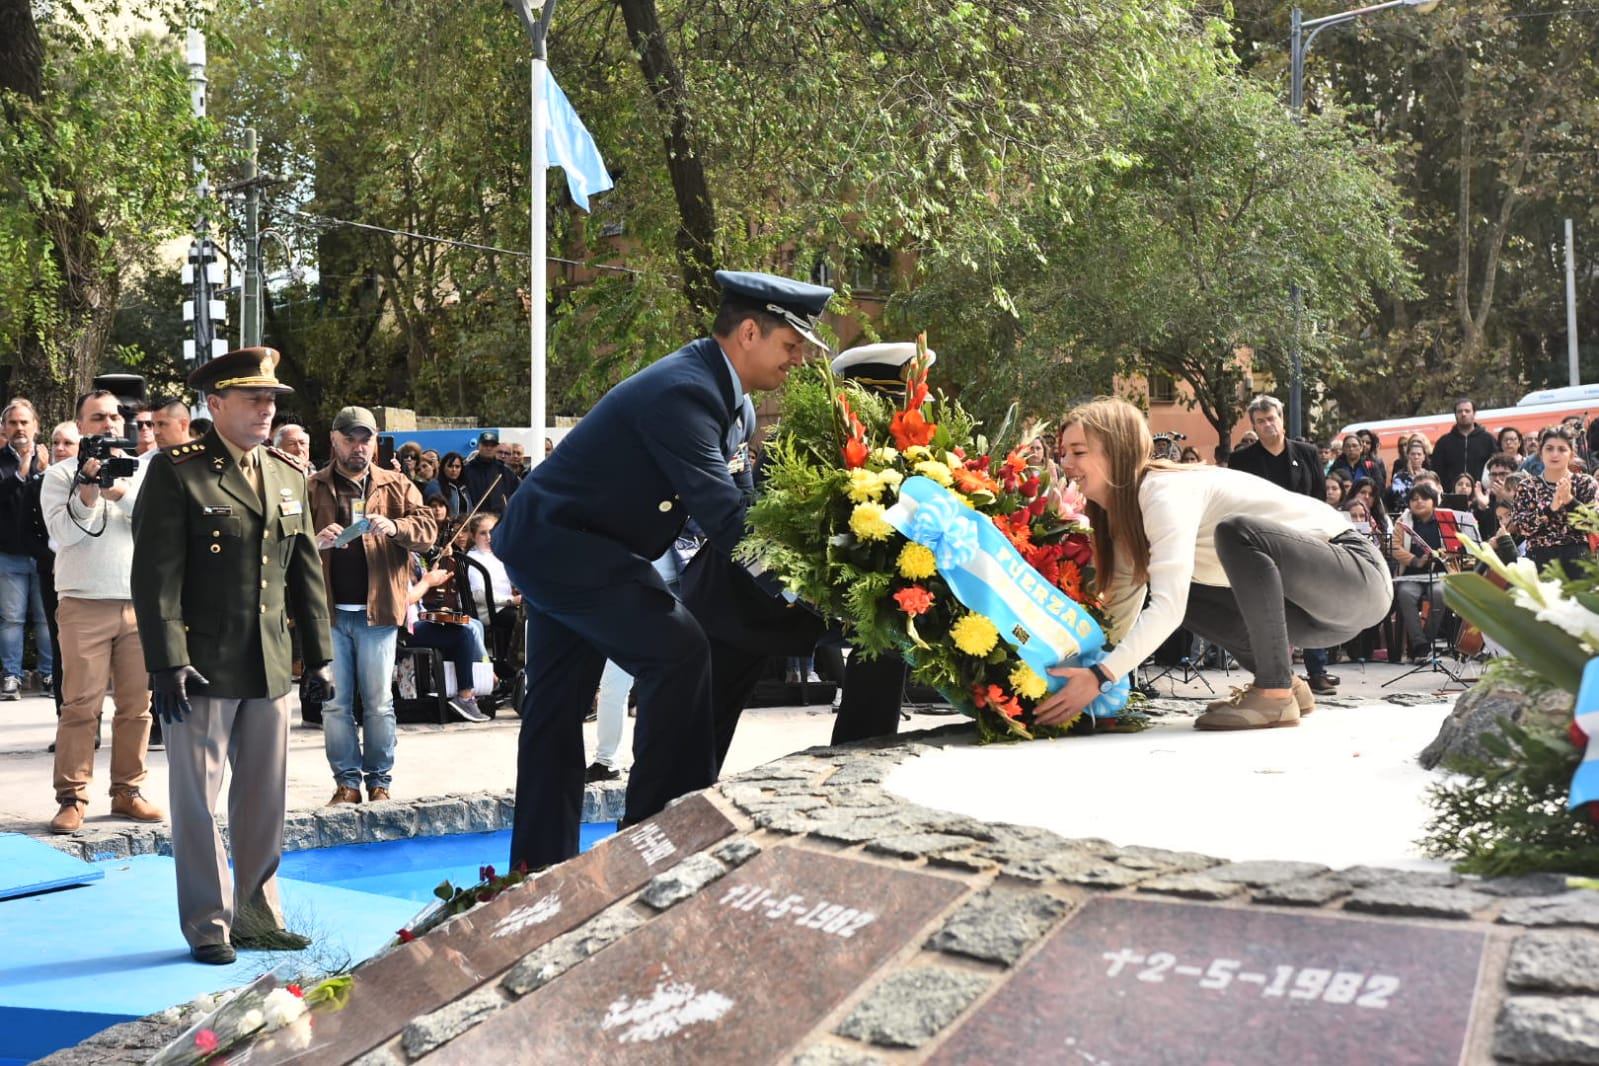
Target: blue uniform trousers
pixel 571 631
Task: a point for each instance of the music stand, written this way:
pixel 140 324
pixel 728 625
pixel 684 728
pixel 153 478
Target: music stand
pixel 1191 673
pixel 1434 662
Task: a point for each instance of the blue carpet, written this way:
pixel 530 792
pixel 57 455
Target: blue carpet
pixel 78 960
pixel 28 866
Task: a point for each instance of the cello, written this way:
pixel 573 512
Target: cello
pixel 1469 642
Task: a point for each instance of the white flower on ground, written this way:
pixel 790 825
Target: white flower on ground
pixel 282 1007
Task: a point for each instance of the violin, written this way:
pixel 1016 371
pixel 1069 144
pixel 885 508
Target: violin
pixel 446 609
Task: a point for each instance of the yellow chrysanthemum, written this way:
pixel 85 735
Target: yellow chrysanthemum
pixel 891 478
pixel 1028 684
pixel 867 522
pixel 916 562
pixel 932 468
pixel 864 485
pixel 917 452
pixel 974 634
pixel 884 455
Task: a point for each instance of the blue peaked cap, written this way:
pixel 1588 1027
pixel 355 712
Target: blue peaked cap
pixel 798 303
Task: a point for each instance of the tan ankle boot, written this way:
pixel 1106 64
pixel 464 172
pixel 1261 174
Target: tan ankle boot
pixel 69 819
pixel 130 803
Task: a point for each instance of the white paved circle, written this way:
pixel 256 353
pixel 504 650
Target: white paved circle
pixel 1342 788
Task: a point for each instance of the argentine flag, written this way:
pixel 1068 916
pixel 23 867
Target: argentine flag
pixel 571 148
pixel 1585 785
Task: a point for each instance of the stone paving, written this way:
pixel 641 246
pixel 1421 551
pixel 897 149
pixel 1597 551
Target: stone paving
pixel 1534 994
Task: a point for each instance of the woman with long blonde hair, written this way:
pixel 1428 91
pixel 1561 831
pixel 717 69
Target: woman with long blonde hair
pixel 1233 557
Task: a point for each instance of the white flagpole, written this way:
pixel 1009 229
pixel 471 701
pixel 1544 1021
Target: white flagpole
pixel 537 250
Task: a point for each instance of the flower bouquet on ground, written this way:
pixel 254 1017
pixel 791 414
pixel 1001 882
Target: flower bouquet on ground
pixel 926 539
pixel 1532 803
pixel 271 1011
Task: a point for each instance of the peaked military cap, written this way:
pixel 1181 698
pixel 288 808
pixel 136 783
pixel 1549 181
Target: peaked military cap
pixel 245 368
pixel 880 366
pixel 797 303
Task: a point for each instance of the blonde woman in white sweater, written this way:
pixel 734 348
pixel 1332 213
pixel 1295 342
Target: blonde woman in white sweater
pixel 1233 557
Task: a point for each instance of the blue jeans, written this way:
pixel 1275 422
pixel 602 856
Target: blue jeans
pixel 20 596
pixel 363 659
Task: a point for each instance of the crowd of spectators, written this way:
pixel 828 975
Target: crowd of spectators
pixel 52 541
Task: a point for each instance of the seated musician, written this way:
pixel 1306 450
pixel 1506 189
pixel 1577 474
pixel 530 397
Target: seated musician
pixel 1426 537
pixel 434 620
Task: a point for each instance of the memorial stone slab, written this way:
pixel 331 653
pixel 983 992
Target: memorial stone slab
pixel 416 978
pixel 739 973
pixel 1140 981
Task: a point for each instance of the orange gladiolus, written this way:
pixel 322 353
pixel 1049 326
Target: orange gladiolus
pixel 910 428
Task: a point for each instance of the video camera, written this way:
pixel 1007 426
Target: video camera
pixel 111 466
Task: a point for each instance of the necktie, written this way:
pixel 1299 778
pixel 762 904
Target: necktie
pixel 249 466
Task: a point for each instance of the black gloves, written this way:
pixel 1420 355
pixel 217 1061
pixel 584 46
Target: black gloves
pixel 317 683
pixel 170 691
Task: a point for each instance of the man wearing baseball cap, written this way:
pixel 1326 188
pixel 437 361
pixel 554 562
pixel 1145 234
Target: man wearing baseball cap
pixel 367 576
pixel 223 553
pixel 487 478
pixel 578 536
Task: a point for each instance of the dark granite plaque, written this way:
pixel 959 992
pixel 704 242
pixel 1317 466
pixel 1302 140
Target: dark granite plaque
pixel 1136 982
pixel 739 973
pixel 447 963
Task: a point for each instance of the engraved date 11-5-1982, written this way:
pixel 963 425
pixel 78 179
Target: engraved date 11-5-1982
pixel 834 918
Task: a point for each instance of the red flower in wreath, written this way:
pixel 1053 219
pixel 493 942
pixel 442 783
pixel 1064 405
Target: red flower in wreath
pixel 206 1041
pixel 993 696
pixel 914 600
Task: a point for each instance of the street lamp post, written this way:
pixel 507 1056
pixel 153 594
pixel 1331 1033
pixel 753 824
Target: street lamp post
pixel 1302 32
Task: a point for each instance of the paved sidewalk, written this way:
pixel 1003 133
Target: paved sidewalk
pixel 438 760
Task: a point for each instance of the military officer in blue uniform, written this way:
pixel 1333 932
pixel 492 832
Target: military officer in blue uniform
pixel 223 554
pixel 577 539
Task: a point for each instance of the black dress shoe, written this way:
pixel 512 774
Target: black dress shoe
pixel 600 772
pixel 271 940
pixel 1323 685
pixel 212 954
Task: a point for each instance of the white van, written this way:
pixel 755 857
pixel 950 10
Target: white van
pixel 1533 413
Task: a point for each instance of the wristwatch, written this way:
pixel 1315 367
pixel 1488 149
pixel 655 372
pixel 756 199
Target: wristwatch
pixel 1106 682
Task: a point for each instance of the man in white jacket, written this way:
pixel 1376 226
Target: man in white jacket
pixel 92 528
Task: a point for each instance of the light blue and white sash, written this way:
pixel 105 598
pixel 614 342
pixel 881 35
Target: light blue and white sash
pixel 1585 782
pixel 989 576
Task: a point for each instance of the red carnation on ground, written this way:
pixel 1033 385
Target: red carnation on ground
pixel 405 935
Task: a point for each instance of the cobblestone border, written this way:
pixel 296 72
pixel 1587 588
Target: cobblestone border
pixel 364 823
pixel 1538 995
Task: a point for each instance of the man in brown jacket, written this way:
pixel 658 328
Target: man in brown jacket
pixel 367 520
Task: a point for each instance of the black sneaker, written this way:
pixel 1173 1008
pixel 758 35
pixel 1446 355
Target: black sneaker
pixel 10 687
pixel 466 707
pixel 598 771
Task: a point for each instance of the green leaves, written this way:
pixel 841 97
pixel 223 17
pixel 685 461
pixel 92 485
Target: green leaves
pixel 1547 650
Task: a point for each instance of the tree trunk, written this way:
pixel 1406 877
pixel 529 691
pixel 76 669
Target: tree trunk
pixel 696 233
pixel 21 53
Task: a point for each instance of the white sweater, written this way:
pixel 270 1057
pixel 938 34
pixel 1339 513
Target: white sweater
pixel 1181 511
pixel 89 567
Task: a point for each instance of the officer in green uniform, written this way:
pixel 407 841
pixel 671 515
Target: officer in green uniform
pixel 223 553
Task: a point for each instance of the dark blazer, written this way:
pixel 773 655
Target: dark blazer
pixel 651 453
pixel 1305 475
pixel 216 573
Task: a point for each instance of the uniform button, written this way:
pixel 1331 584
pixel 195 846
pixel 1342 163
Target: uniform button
pixel 264 559
pixel 666 505
pixel 263 585
pixel 216 549
pixel 263 608
pixel 216 532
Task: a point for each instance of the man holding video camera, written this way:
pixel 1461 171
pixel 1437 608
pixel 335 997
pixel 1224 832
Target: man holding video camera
pixel 88 511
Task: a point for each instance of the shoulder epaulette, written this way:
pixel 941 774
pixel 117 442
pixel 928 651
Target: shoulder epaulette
pixel 285 457
pixel 182 453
